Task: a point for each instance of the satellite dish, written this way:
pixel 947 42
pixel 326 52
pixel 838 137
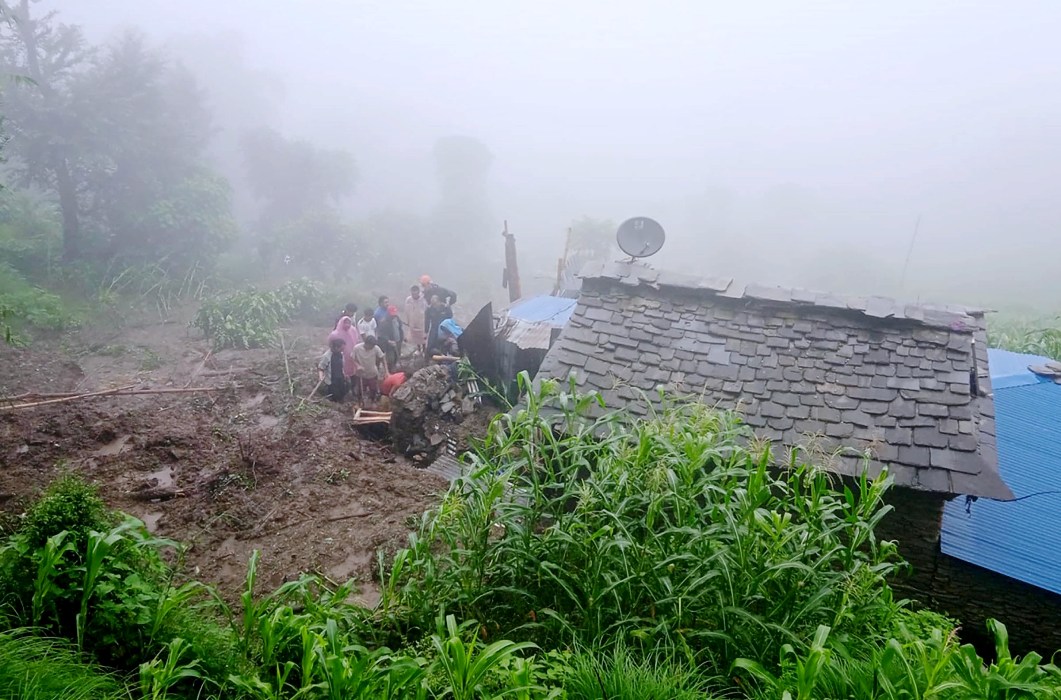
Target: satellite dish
pixel 640 237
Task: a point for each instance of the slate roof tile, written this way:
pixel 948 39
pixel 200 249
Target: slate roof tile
pixel 870 374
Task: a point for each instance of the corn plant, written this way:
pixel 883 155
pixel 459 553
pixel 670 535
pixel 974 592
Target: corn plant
pixel 48 565
pixel 464 665
pixel 670 531
pixel 158 677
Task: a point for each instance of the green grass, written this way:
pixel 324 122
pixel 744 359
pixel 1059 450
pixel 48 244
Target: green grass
pixel 608 559
pixel 38 668
pixel 1040 336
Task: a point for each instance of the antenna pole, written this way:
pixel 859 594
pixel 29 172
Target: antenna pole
pixel 511 266
pixel 910 253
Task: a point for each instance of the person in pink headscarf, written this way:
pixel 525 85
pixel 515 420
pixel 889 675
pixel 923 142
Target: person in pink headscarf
pixel 346 329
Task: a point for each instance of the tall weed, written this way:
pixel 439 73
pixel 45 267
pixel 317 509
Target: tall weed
pixel 665 533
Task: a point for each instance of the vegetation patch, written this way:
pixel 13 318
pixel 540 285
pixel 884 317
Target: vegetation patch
pixel 252 318
pixel 580 558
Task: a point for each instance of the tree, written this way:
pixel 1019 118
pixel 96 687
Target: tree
pixel 293 178
pixel 117 134
pixel 47 131
pixel 463 217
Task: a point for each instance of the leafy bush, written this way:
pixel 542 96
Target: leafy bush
pixel 665 533
pixel 27 305
pixel 251 319
pixel 71 572
pixel 68 505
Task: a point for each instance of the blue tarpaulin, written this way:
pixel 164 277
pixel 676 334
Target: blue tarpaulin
pixel 1022 538
pixel 556 311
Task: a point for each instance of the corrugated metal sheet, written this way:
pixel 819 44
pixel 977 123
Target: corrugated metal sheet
pixel 526 335
pixel 1021 538
pixel 1010 369
pixel 556 311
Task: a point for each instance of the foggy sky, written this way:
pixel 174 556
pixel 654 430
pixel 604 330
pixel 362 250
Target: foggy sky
pixel 868 115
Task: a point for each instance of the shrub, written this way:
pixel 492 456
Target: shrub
pixel 666 532
pixel 67 505
pixel 251 318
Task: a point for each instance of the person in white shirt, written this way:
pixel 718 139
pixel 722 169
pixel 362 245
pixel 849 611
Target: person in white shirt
pixel 367 325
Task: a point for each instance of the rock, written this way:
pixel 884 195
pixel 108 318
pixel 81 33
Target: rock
pixel 420 410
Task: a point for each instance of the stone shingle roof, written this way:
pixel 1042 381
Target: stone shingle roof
pixel 850 376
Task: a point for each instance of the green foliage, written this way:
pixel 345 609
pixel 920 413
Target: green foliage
pixel 252 319
pixel 621 673
pixel 26 305
pixel 37 668
pixel 186 227
pixel 903 669
pixel 662 533
pixel 1036 337
pixel 72 573
pixel 116 134
pixel 68 505
pixel 663 552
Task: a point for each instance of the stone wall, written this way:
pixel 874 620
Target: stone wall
pixel 966 592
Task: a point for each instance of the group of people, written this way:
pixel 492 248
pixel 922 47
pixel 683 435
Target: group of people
pixel 364 353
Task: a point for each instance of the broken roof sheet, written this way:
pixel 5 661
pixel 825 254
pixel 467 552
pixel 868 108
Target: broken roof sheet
pixel 873 376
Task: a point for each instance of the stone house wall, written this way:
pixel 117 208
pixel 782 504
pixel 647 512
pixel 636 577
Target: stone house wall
pixel 964 591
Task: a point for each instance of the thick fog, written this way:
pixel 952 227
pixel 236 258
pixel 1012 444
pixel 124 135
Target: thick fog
pixel 786 142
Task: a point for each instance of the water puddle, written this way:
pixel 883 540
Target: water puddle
pixel 116 446
pixel 151 521
pixel 163 476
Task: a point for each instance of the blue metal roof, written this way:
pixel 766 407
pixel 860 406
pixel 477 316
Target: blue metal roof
pixel 556 311
pixel 1021 538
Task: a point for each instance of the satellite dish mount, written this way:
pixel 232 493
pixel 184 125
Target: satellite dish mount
pixel 640 237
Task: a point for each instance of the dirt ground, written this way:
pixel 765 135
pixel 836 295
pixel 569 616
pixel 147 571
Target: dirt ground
pixel 227 472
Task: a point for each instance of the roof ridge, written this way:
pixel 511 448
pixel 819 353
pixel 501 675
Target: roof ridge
pixel 953 317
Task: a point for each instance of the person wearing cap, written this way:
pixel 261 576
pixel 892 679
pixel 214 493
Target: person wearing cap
pixel 448 296
pixel 390 334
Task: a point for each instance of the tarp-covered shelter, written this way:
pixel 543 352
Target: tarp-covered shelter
pixel 527 329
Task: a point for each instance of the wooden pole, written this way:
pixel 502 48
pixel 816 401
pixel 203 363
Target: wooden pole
pixel 120 391
pixel 306 398
pixel 561 265
pixel 515 292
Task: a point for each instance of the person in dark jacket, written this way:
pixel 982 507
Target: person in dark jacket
pixel 448 296
pixel 330 369
pixel 436 313
pixel 390 335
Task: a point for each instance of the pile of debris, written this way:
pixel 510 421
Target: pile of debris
pixel 426 411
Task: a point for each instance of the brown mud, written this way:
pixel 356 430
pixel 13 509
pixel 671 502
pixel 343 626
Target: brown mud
pixel 224 472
